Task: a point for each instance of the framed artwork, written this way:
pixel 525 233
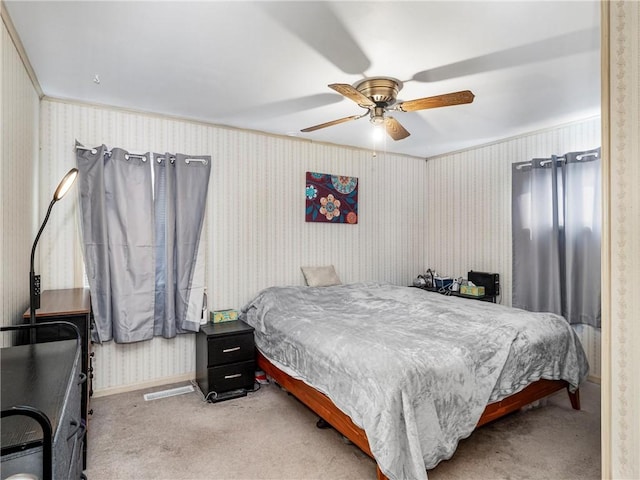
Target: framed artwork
pixel 331 198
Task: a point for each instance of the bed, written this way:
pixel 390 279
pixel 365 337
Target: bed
pixel 405 374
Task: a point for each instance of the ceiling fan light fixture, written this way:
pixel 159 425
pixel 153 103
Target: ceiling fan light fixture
pixel 378 133
pixel 377 115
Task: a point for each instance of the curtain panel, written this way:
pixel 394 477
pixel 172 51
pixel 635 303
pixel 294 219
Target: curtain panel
pixel 141 219
pixel 556 221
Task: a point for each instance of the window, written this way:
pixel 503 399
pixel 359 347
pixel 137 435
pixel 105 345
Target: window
pixel 556 219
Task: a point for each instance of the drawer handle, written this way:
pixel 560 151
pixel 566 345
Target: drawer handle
pixel 234 349
pixel 235 375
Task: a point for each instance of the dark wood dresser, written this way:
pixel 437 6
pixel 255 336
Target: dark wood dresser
pixel 42 381
pixel 71 305
pixel 225 360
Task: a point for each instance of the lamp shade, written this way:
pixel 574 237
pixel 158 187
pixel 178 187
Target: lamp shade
pixel 65 184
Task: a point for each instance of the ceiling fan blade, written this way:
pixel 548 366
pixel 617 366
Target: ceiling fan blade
pixel 394 129
pixel 456 98
pixel 333 122
pixel 352 94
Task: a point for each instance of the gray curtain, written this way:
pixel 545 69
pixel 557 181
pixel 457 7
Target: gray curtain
pixel 181 183
pixel 556 220
pixel 141 228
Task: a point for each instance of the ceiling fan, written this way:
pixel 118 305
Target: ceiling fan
pixel 378 96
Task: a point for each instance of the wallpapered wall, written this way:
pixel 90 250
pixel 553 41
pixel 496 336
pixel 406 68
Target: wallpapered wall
pixel 469 207
pixel 255 233
pixel 19 150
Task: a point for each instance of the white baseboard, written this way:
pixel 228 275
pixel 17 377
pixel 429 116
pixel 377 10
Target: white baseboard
pixel 185 377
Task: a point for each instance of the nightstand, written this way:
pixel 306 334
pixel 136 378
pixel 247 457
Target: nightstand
pixel 225 360
pixel 484 298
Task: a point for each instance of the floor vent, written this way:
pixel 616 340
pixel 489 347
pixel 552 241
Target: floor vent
pixel 168 393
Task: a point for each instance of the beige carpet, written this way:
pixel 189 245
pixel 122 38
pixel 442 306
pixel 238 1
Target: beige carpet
pixel 270 435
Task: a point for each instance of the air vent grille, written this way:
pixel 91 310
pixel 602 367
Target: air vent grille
pixel 168 393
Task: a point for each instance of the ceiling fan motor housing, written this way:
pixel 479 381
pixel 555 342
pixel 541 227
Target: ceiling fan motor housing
pixel 381 90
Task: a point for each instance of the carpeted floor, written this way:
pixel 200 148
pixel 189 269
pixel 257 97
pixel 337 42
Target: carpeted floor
pixel 270 435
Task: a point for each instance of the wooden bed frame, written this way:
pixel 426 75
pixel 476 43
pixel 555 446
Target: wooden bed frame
pixel 324 407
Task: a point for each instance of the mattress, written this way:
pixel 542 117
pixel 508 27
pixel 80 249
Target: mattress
pixel 413 369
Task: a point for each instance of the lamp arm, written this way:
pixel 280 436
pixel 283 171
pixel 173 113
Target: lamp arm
pixel 34 280
pixel 35 242
pixel 34 296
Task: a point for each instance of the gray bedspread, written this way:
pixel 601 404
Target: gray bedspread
pixel 414 369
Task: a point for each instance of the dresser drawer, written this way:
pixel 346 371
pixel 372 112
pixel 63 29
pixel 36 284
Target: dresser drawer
pixel 232 376
pixel 230 349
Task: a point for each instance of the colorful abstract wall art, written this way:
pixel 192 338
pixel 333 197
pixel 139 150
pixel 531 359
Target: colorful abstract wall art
pixel 331 198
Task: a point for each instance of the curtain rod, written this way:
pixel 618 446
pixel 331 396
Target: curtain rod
pixel 590 154
pixel 201 160
pixel 127 156
pixel 172 159
pixel 544 163
pixel 159 159
pixel 92 150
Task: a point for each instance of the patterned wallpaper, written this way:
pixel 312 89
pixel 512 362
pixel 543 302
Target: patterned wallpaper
pixel 19 152
pixel 255 233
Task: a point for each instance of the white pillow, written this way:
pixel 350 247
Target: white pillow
pixel 321 276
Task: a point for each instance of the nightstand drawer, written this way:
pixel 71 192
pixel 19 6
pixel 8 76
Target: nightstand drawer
pixel 230 349
pixel 232 376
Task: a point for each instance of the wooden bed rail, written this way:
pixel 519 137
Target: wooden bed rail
pixel 325 409
pixel 529 394
pixel 318 402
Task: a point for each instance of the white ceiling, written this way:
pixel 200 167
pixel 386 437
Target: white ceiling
pixel 266 65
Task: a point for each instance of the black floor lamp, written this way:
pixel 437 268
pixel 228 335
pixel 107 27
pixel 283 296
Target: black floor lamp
pixel 34 280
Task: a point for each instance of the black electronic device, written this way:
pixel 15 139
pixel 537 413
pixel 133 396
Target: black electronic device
pixel 219 397
pixel 490 282
pixel 35 291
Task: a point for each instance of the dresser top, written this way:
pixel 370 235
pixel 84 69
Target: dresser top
pixel 70 301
